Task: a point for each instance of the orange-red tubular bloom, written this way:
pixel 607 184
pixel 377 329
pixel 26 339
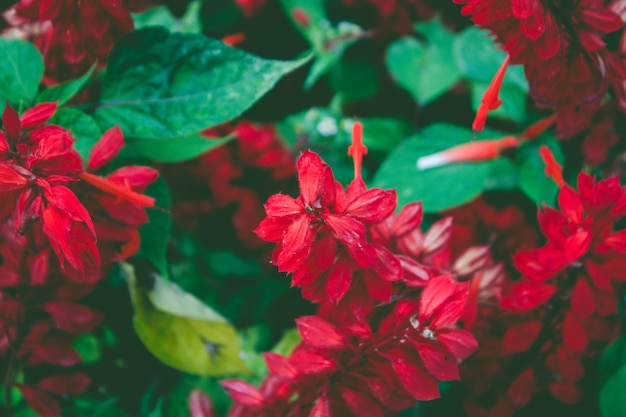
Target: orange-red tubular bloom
pixel 473 151
pixel 490 99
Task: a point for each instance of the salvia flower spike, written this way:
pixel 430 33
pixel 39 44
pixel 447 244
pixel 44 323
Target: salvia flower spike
pixel 553 170
pixel 471 151
pixel 357 149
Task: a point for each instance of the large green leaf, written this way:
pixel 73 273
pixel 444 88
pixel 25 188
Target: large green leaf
pixel 162 16
pixel 162 85
pixel 612 359
pixel 180 331
pixel 175 149
pixel 613 395
pixel 426 69
pixel 155 234
pixel 83 127
pixel 438 188
pixel 533 180
pixel 20 72
pixel 62 93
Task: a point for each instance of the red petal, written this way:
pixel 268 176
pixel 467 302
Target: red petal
pixel 571 205
pixel 470 261
pixel 312 176
pixel 279 365
pixel 521 390
pixel 617 241
pixel 199 404
pixel 106 148
pixel 409 219
pixel 40 402
pixel 373 205
pixel 351 233
pixel 566 392
pixel 574 334
pixel 550 42
pixel 242 392
pixel 603 21
pixel 296 244
pixel 321 407
pixel 10 179
pixel 280 205
pixel 523 9
pixel 460 342
pixel 339 280
pixel 68 384
pixel 438 291
pixel 576 246
pixel 583 304
pixel 361 404
pixel 310 363
pixel 72 318
pixel 38 115
pixel 439 363
pixel 319 333
pixel 520 337
pixel 527 296
pixel 438 236
pixel 377 289
pixel 419 383
pixel 11 123
pixel 134 176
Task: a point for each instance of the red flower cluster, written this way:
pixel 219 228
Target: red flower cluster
pixel 386 329
pixel 231 178
pixel 564 308
pixel 73 34
pixel 560 43
pixel 58 226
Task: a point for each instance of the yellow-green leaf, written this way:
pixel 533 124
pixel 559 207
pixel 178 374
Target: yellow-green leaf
pixel 181 331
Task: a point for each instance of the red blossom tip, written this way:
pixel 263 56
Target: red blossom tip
pixel 467 152
pixel 38 115
pixel 553 170
pixel 490 99
pixel 11 123
pixel 357 149
pixel 106 148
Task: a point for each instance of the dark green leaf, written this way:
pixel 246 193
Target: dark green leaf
pixel 175 149
pixel 355 80
pixel 83 127
pixel 533 180
pixel 613 395
pixel 229 264
pixel 62 93
pixel 438 188
pixel 502 175
pixel 161 85
pixel 20 72
pixel 613 358
pixel 88 348
pixel 513 101
pixel 155 234
pixel 162 16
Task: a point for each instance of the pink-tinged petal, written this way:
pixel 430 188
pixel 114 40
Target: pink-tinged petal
pixel 72 318
pixel 296 244
pixel 4 144
pixel 566 392
pixel 11 179
pixel 361 404
pixel 414 273
pixel 460 342
pixel 106 148
pixel 574 334
pixel 520 337
pixel 54 355
pixel 311 363
pixel 319 333
pixel 471 260
pixel 540 264
pixel 280 205
pixel 550 42
pixel 199 404
pixel 576 246
pixel 325 250
pixel 409 219
pixel 571 205
pixel 583 300
pixel 454 308
pixel 521 390
pixel 242 392
pixel 534 26
pixel 590 39
pixel 419 383
pixel 272 229
pixel 617 241
pixel 339 280
pixel 279 366
pixel 438 236
pixel 40 402
pixel 438 362
pixel 11 123
pixel 351 233
pixel 64 200
pixel 388 268
pixel 372 206
pixel 321 407
pixel 376 288
pixel 569 365
pixel 436 293
pixel 527 296
pixel 38 115
pixel 68 384
pixel 522 9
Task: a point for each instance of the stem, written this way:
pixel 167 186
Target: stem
pixel 8 379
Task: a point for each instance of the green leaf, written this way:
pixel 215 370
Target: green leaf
pixel 355 80
pixel 88 348
pixel 533 180
pixel 155 234
pixel 438 188
pixel 479 58
pixel 288 342
pixel 180 331
pixel 83 127
pixel 176 149
pixel 502 175
pixel 162 85
pixel 315 31
pixel 229 264
pixel 425 69
pixel 613 358
pixel 613 396
pixel 97 408
pixel 64 92
pixel 20 72
pixel 162 16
